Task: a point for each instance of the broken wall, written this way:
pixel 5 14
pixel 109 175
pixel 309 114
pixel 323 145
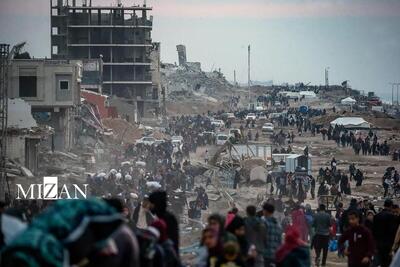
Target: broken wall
pixel 19 114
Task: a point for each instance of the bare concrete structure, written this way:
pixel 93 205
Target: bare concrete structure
pixel 118 34
pixel 22 143
pixel 92 75
pixel 52 88
pixel 155 57
pixel 181 54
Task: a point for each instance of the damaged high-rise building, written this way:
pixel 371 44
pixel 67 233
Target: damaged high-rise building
pixel 121 37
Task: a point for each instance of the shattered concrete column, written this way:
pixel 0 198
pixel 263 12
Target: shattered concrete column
pixel 181 54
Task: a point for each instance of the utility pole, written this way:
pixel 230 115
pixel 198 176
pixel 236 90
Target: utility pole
pixel 327 78
pixel 234 77
pixel 248 71
pixel 397 93
pixel 392 93
pixel 4 66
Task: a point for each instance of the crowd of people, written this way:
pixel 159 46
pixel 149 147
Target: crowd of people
pixel 366 235
pixel 133 221
pixel 366 145
pixel 91 232
pixel 278 234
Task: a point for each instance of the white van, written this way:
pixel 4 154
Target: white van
pixel 221 139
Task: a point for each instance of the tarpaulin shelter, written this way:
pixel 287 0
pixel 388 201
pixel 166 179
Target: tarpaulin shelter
pixel 351 123
pixel 308 94
pixel 348 101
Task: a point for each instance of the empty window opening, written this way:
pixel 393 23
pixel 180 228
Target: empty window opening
pixel 27 86
pixel 54 49
pixel 64 85
pixel 54 11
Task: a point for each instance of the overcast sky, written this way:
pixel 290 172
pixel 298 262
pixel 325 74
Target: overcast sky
pixel 292 40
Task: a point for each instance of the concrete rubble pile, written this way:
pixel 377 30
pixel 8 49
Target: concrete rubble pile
pixel 93 132
pixel 63 164
pixel 123 131
pixel 14 169
pixel 190 80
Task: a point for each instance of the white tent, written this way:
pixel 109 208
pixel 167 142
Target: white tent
pixel 348 101
pixel 308 94
pixel 352 123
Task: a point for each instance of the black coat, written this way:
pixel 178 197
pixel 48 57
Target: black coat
pixel 172 228
pixel 384 229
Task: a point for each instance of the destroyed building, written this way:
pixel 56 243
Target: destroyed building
pixel 23 138
pixel 158 91
pixel 188 79
pixel 121 37
pixel 92 75
pixel 181 54
pixel 52 88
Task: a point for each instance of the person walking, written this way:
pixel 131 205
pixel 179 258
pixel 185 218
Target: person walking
pixel 384 230
pixel 206 157
pixel 294 252
pixel 322 223
pixel 274 235
pixel 158 206
pixel 361 245
pixel 299 219
pixel 256 234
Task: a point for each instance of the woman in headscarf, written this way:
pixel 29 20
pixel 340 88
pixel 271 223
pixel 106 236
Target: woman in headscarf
pixel 211 248
pixel 299 219
pixel 217 222
pixel 294 251
pixel 237 228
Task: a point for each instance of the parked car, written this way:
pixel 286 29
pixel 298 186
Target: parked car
pixel 177 137
pixel 146 140
pixel 218 123
pixel 207 134
pixel 221 139
pixel 251 117
pixel 275 115
pixel 148 130
pixel 230 116
pixel 267 128
pixel 258 108
pixel 159 142
pixel 234 132
pixel 262 117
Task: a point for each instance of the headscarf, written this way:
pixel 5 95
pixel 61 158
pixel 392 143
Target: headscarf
pixel 235 223
pixel 292 241
pixel 228 219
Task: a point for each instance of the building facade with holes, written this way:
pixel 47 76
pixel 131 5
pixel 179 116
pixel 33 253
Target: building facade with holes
pixel 52 88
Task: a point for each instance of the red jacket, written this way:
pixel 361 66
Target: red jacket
pixel 361 244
